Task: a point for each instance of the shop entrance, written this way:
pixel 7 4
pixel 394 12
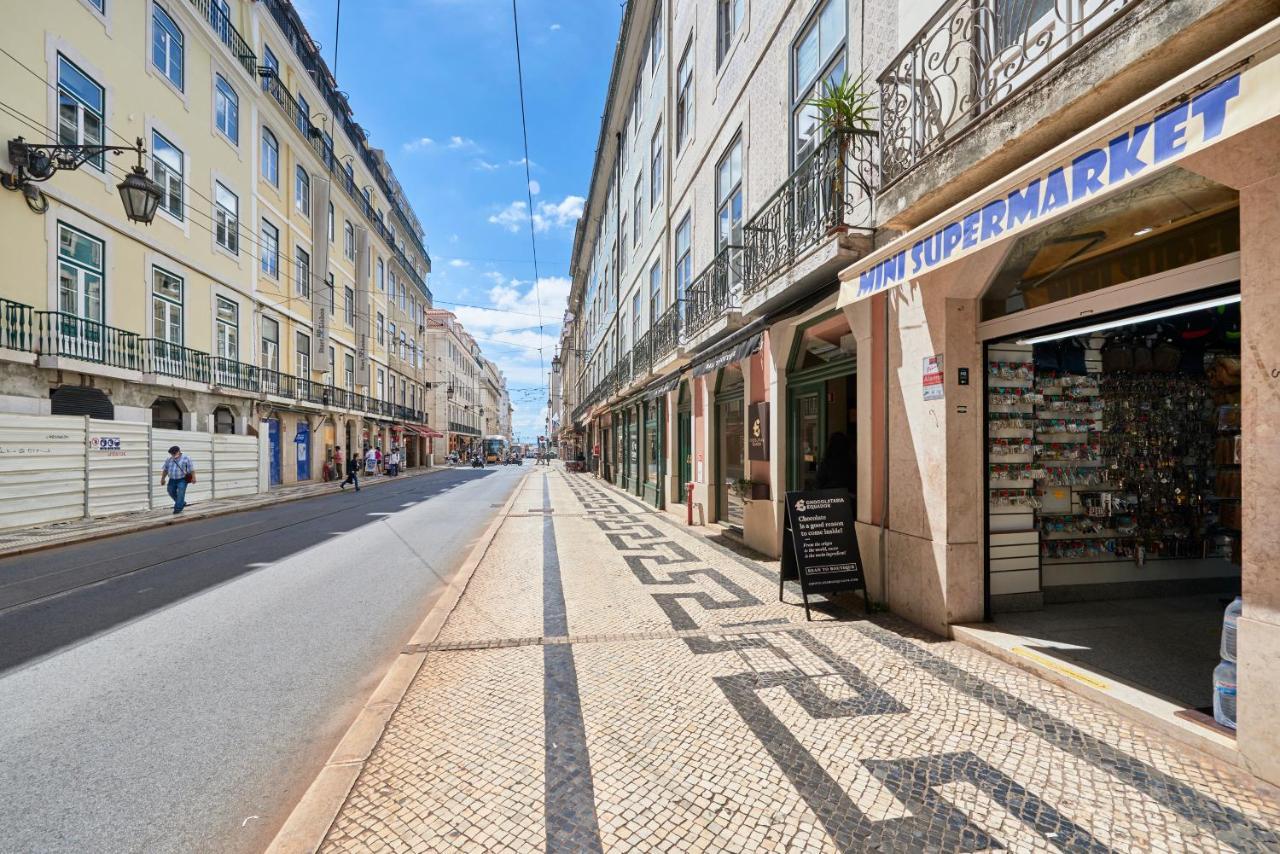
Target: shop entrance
pixel 684 427
pixel 1113 444
pixel 731 439
pixel 822 407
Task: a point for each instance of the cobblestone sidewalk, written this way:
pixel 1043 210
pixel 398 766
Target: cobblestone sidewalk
pixel 77 530
pixel 610 682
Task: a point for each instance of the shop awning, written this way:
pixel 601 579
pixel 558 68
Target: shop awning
pixel 661 387
pixel 735 348
pixel 424 432
pixel 1208 103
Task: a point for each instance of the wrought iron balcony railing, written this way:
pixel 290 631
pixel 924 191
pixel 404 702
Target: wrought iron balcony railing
pixel 641 358
pixel 17 326
pixel 665 334
pixel 229 373
pixel 972 56
pixel 228 34
pixel 71 337
pixel 831 192
pixel 714 291
pixel 273 382
pixel 174 360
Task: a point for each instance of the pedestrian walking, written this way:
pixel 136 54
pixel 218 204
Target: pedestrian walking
pixel 393 462
pixel 370 462
pixel 377 460
pixel 353 469
pixel 178 471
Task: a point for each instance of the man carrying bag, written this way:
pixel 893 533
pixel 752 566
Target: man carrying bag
pixel 179 471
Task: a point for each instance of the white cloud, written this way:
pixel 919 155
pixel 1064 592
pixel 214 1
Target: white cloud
pixel 485 166
pixel 549 215
pixel 420 144
pixel 458 262
pixel 459 142
pixel 555 28
pixel 453 238
pixel 535 188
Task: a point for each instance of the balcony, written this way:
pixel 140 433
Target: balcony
pixel 970 58
pixel 161 358
pixel 664 336
pixel 65 336
pixel 228 34
pixel 714 292
pixel 831 193
pixel 228 373
pixel 641 359
pixel 17 326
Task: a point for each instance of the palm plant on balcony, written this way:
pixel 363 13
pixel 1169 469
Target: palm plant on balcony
pixel 845 106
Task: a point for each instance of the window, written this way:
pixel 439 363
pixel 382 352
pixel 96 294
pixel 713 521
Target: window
pixel 226 218
pixel 302 191
pixel 655 166
pixel 166 45
pixel 728 20
pixel 382 275
pixel 227 329
pixel 684 96
pixel 80 274
pixel 655 292
pixel 81 107
pixel 655 38
pixel 349 370
pixel 224 420
pixel 404 295
pixel 622 243
pixel 382 380
pixel 368 194
pixel 349 306
pixel 349 240
pixel 636 104
pixel 166 169
pixel 333 293
pixel 269 251
pixel 729 206
pixel 166 306
pixel 330 222
pixel 818 59
pixel 302 355
pixel 391 332
pixel 270 344
pixel 303 118
pixel 636 316
pixel 684 257
pixel 636 209
pixel 220 18
pixel 269 61
pixel 270 157
pixel 226 109
pixel 382 323
pixel 332 366
pixel 302 272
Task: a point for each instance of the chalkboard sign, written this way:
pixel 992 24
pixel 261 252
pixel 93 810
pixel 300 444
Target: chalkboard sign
pixel 819 546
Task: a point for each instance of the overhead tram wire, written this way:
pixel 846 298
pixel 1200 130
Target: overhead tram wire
pixel 528 182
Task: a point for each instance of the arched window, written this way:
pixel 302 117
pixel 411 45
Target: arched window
pixel 224 420
pixel 270 157
pixel 165 414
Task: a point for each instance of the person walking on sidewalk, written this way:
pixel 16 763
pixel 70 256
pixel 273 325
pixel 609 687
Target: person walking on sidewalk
pixel 179 471
pixel 393 462
pixel 353 471
pixel 370 461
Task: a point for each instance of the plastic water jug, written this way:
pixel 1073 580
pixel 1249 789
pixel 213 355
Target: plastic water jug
pixel 1224 694
pixel 1229 618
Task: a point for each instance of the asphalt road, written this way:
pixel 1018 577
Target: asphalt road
pixel 177 689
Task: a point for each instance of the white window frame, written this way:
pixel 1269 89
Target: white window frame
pixel 161 33
pixel 301 272
pixel 165 175
pixel 173 308
pixel 226 222
pixel 80 133
pixel 270 156
pixel 302 190
pixel 226 333
pixel 684 96
pixel 272 244
pixel 226 108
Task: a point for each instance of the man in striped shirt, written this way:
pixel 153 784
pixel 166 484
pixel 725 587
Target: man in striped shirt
pixel 178 471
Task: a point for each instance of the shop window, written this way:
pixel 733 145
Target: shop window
pixel 1171 221
pixel 166 415
pixel 224 420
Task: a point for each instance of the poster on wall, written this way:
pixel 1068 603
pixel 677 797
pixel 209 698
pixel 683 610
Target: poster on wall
pixel 758 432
pixel 931 376
pixel 819 547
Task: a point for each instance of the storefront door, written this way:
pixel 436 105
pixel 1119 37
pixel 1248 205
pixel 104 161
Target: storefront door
pixel 684 442
pixel 732 469
pixel 808 416
pixel 273 442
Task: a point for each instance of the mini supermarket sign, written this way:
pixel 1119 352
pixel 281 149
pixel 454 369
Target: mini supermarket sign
pixel 1200 119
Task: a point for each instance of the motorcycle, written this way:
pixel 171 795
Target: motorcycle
pixel 477 463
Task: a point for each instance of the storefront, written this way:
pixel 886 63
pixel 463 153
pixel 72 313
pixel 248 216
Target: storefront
pixel 822 417
pixel 730 442
pixel 1078 383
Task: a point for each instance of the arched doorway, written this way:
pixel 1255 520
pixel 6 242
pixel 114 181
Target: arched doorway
pixel 166 414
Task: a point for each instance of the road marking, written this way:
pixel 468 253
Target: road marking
pixel 1058 667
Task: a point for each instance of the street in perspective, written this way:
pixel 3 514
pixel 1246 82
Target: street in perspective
pixel 658 425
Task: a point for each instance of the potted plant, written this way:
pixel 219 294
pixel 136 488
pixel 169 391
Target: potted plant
pixel 843 107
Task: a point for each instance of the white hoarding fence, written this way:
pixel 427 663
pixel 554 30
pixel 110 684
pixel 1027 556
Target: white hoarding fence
pixel 41 469
pixel 117 455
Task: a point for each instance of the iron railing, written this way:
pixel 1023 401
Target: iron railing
pixel 17 327
pixel 228 34
pixel 665 334
pixel 71 337
pixel 464 429
pixel 972 56
pixel 276 383
pixel 641 358
pixel 831 192
pixel 714 291
pixel 173 360
pixel 310 391
pixel 229 373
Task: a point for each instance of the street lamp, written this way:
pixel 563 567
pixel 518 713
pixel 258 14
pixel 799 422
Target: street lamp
pixel 34 163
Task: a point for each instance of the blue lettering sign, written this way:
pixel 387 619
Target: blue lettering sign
pixel 1055 191
pixel 1124 150
pixel 1212 105
pixel 1086 173
pixel 1024 205
pixel 1171 133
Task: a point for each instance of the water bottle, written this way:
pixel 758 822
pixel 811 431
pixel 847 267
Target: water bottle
pixel 1224 694
pixel 1229 619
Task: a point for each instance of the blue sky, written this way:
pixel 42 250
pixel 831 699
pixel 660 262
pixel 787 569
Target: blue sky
pixel 433 82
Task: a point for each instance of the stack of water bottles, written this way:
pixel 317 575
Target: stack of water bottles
pixel 1224 675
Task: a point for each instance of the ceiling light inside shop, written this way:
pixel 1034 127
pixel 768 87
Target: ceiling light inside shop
pixel 1131 321
pixel 1143 231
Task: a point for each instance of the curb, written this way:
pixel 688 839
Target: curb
pixel 309 822
pixel 164 521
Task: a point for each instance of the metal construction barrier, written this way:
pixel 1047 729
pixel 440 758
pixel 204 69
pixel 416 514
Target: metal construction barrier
pixel 60 467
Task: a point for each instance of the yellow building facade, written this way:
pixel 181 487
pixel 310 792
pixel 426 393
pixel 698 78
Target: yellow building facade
pixel 282 284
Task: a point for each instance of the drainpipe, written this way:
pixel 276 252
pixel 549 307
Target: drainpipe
pixel 884 492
